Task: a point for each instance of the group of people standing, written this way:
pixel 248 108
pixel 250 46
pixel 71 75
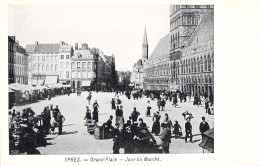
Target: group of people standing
pixel 123 130
pixel 51 119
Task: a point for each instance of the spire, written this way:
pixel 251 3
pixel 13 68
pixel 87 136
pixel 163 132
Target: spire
pixel 145 37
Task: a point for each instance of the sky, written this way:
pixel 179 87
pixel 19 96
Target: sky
pixel 115 29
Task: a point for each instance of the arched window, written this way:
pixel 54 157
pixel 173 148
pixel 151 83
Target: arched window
pixel 47 68
pixel 61 74
pixel 210 79
pixel 178 39
pixel 38 68
pixel 195 64
pixel 209 63
pixel 51 68
pixel 191 66
pixel 56 68
pixel 171 42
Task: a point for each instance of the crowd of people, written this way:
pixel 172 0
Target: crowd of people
pixel 132 133
pixel 28 130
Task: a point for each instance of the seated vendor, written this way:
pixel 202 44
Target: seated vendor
pixel 141 123
pixel 108 126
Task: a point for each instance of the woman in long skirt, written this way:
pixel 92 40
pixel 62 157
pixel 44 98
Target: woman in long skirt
pixel 176 129
pixel 113 104
pixel 95 111
pixel 156 123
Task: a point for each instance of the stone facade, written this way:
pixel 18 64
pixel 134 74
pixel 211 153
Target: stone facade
pixel 17 62
pixel 83 68
pixel 138 75
pixel 45 62
pixel 90 68
pixel 184 58
pixel 11 43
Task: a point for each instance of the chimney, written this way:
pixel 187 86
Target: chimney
pixel 61 43
pixel 76 46
pixel 17 41
pixel 36 43
pixel 84 46
pixel 12 37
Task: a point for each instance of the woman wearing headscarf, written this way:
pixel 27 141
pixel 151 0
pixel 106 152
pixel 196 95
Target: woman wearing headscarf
pixel 156 123
pixel 168 121
pixel 95 111
pixel 176 129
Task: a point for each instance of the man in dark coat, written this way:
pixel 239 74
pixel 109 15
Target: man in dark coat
pixel 166 138
pixel 163 104
pixel 116 140
pixel 56 112
pixel 135 115
pixel 204 126
pixel 60 120
pixel 188 130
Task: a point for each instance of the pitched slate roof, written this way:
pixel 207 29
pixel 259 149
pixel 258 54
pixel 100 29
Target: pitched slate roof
pixel 65 48
pixel 139 64
pixel 108 58
pixel 30 47
pixel 82 54
pixel 162 48
pixel 19 49
pixel 45 48
pixel 205 30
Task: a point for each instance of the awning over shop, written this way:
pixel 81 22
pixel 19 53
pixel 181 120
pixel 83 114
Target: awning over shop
pixel 40 82
pixel 67 86
pixel 37 82
pixel 51 80
pixel 10 90
pixel 86 83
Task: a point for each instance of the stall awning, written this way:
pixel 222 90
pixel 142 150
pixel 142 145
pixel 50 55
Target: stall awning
pixel 86 83
pixel 51 80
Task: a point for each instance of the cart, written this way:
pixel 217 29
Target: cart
pixel 90 126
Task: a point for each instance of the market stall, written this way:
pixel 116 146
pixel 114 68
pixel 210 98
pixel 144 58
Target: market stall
pixel 208 141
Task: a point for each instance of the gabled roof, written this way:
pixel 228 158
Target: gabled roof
pixel 82 54
pixel 139 64
pixel 19 49
pixel 205 30
pixel 100 53
pixel 108 58
pixel 163 48
pixel 45 48
pixel 30 47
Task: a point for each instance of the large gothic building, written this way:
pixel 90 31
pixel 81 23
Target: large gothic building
pixel 183 59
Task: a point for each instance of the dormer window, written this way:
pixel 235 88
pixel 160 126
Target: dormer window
pixel 79 55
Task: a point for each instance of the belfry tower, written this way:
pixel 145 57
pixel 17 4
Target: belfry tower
pixel 145 48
